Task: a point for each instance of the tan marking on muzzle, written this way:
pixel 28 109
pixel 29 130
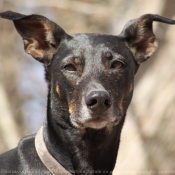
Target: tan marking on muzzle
pixel 58 90
pixel 130 87
pixel 72 107
pixel 109 128
pixel 120 105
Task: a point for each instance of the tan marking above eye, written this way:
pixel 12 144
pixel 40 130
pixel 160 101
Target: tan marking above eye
pixel 108 55
pixel 76 60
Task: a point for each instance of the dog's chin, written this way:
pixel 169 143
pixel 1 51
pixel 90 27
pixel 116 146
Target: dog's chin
pixel 96 124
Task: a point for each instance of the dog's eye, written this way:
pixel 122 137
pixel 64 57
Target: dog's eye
pixel 70 67
pixel 117 65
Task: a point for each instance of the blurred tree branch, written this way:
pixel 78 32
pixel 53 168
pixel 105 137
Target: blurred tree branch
pixel 82 7
pixel 7 123
pixel 11 117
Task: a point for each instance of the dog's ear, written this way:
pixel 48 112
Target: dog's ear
pixel 139 37
pixel 41 36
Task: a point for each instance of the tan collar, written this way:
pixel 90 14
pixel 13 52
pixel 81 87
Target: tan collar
pixel 48 160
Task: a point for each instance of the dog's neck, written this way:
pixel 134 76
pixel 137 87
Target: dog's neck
pixel 93 151
pixel 82 152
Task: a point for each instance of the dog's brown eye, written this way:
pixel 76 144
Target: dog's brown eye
pixel 117 65
pixel 70 67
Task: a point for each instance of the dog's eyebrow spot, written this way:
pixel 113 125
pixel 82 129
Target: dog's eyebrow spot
pixel 108 55
pixel 77 61
pixel 58 90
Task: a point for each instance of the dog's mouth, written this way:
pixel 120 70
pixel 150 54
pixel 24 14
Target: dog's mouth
pixel 84 118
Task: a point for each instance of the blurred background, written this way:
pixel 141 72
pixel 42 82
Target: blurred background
pixel 148 137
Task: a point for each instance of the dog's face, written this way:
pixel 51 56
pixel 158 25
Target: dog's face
pixel 93 75
pixel 90 76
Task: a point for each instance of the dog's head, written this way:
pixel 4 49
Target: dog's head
pixel 90 76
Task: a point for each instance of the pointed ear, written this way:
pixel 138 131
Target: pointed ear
pixel 139 37
pixel 41 36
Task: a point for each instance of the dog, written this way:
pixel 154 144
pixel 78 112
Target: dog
pixel 90 85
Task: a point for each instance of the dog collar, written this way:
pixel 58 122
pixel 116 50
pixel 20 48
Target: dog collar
pixel 48 160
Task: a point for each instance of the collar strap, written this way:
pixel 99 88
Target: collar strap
pixel 48 160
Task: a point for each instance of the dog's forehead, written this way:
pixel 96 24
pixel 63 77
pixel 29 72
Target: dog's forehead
pixel 97 42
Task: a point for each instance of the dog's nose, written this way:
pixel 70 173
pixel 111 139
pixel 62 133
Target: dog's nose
pixel 98 101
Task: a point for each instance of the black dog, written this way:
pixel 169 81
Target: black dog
pixel 90 80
